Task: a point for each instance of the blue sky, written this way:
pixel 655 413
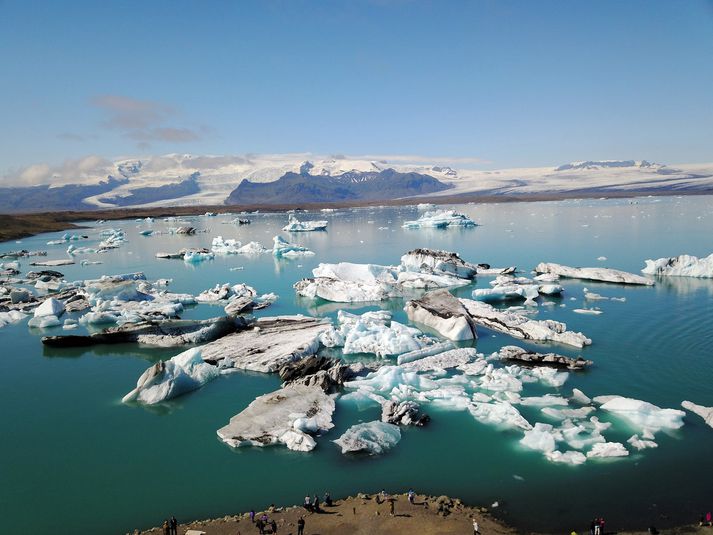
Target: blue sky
pixel 511 83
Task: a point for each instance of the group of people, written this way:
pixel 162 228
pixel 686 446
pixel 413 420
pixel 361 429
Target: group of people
pixel 170 526
pixel 264 523
pixel 312 504
pixel 596 527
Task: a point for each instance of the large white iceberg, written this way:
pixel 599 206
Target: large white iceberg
pixel 50 307
pixel 440 219
pixel 681 266
pixel 168 379
pixel 371 437
pixel 373 332
pixel 644 415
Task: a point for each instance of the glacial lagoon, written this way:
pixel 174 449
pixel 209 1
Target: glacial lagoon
pixel 76 459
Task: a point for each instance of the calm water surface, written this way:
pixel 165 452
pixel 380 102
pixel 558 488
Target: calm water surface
pixel 74 459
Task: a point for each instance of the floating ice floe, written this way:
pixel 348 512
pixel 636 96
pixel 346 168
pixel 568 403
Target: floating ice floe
pixel 10 317
pixel 680 266
pixel 640 443
pixel 296 225
pixel 419 269
pixel 374 438
pixel 284 249
pixel 373 332
pixel 452 358
pixel 195 257
pixel 607 449
pixel 520 326
pixel 50 307
pixel 443 313
pixel 164 333
pixel 403 413
pixel 593 273
pixel 440 219
pixel 532 358
pixel 171 378
pixel 288 416
pixel 349 283
pixel 225 246
pixel 644 415
pixel 704 412
pixel 269 343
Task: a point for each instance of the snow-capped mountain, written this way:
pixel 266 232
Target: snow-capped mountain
pixel 185 179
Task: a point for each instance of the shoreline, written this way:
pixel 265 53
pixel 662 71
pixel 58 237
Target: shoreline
pixel 365 514
pixel 14 226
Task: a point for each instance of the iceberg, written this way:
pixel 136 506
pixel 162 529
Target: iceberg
pixel 50 307
pixel 373 438
pixel 252 248
pixel 287 416
pixel 295 225
pixel 644 415
pixel 520 355
pixel 541 438
pixel 641 444
pixel 195 257
pixel 11 316
pixel 403 413
pixel 520 326
pixel 44 322
pixel 164 333
pixel 221 246
pixel 284 249
pixel 171 378
pixel 443 313
pixel 681 266
pixel 269 344
pixel 604 450
pixel 373 332
pixel 438 262
pixel 507 292
pixel 443 361
pixel 593 273
pixel 440 219
pixel 427 351
pixel 704 412
pixel 499 413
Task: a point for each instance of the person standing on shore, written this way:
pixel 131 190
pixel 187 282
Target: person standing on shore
pixel 301 526
pixel 411 495
pixel 174 525
pixel 273 526
pixel 307 503
pixel 166 528
pixel 476 527
pixel 391 506
pixel 315 504
pixel 252 516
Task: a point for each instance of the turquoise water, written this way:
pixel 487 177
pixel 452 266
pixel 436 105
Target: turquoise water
pixel 76 460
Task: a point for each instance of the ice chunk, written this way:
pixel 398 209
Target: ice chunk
pixel 221 246
pixel 168 379
pixel 548 400
pixel 440 219
pixel 645 415
pixel 607 449
pixel 541 438
pixel 641 444
pixel 374 332
pixel 680 266
pixel 443 361
pixel 285 416
pixel 704 412
pixel 44 322
pixel 500 413
pixel 438 262
pixel 284 249
pixel 374 438
pixel 580 397
pixel 252 248
pixel 507 292
pixel 11 316
pixel 567 457
pixel 195 257
pixel 427 351
pixel 593 273
pixel 50 307
pixel 295 225
pixel 520 326
pixel 444 313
